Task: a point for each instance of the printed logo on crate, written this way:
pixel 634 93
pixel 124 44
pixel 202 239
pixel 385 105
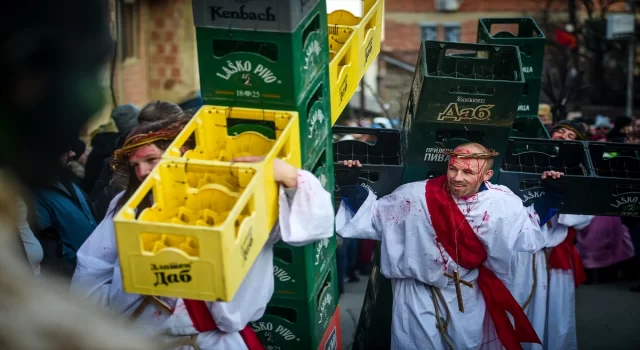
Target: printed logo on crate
pixel 249 76
pixel 321 248
pixel 331 338
pixel 171 273
pixel 281 274
pixel 264 16
pixel 628 205
pixel 332 342
pixel 268 332
pixel 312 53
pixel 436 155
pixel 324 307
pixel 524 108
pixel 530 196
pixel 453 112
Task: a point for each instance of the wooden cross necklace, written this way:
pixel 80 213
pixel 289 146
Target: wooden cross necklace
pixel 455 276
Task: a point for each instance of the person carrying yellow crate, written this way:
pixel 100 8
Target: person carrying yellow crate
pixel 305 206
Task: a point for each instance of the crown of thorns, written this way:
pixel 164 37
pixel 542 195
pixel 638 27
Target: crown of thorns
pixel 481 155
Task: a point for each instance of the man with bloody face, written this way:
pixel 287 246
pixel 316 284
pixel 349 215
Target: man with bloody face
pixel 446 245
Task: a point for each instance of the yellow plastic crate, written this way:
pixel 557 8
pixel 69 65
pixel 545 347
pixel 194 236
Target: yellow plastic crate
pixel 343 68
pixel 200 236
pixel 354 43
pixel 214 145
pixel 368 31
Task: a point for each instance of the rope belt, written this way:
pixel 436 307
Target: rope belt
pixel 436 295
pixel 535 282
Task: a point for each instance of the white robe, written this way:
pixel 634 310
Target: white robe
pixel 413 260
pixel 553 318
pixel 306 217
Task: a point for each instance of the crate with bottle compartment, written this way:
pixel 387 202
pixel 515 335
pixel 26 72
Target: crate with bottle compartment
pixel 260 15
pixel 466 84
pixel 298 270
pixel 261 69
pixel 522 32
pixel 300 323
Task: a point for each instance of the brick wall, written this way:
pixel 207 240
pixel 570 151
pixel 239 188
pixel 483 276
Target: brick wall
pixel 173 61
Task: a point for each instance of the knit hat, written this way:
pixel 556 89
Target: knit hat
pixel 574 126
pixel 126 117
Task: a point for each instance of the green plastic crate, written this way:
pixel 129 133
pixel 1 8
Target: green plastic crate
pixel 529 102
pixel 466 84
pixel 290 324
pixel 315 120
pixel 264 70
pixel 323 167
pixel 298 271
pixel 425 143
pixel 262 15
pixel 529 38
pixel 529 126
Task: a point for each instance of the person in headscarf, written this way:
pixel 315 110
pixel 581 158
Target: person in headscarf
pixel 304 205
pixel 109 184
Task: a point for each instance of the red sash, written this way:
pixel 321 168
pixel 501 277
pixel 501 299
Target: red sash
pixel 446 218
pixel 203 322
pixel 565 257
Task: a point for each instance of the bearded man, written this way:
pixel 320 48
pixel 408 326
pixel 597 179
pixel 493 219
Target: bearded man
pixel 446 245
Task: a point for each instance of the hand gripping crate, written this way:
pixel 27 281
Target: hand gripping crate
pixel 380 156
pixel 466 84
pixel 265 70
pixel 528 37
pixel 215 146
pixel 298 271
pixel 289 324
pixel 529 126
pixel 526 159
pixel 354 43
pixel 615 189
pixel 201 235
pixel 261 15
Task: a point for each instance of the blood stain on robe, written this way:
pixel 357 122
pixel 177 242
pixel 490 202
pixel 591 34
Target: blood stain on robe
pixel 485 218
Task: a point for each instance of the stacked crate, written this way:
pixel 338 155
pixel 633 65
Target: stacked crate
pixel 524 33
pixel 460 93
pixel 274 55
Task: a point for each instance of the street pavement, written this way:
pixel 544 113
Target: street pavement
pixel 607 315
pixel 350 307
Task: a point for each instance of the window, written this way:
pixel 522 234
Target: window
pixel 130 29
pixel 451 32
pixel 429 31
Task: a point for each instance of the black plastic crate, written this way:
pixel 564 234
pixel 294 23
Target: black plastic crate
pixel 615 190
pixel 381 159
pixel 465 83
pixel 526 159
pixel 426 142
